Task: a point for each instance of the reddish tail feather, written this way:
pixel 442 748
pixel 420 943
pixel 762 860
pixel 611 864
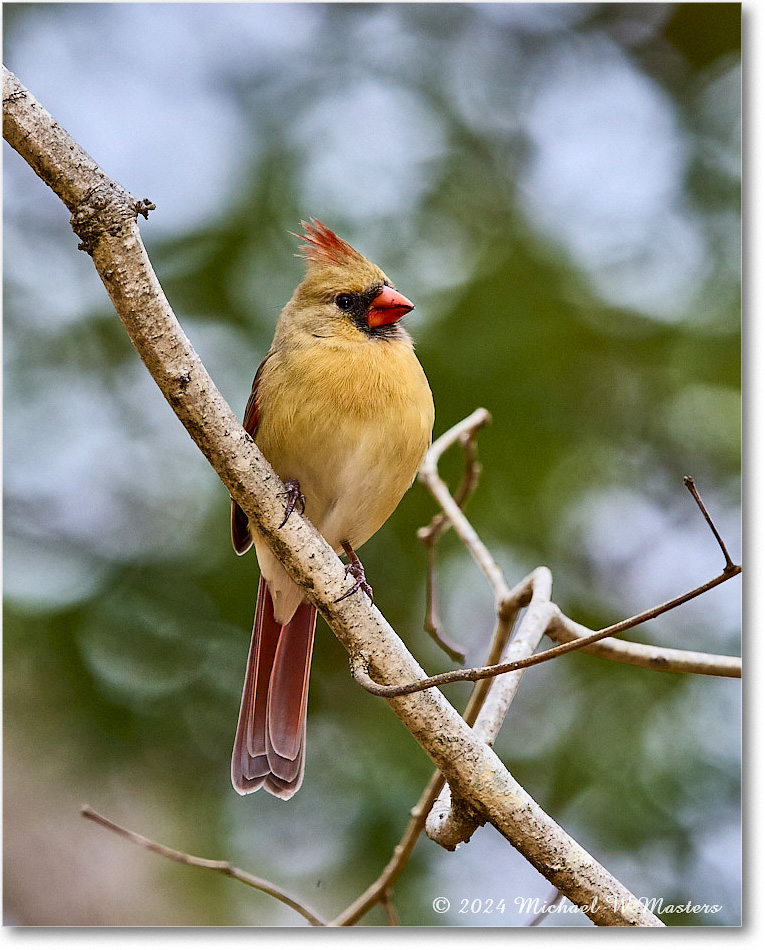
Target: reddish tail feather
pixel 269 749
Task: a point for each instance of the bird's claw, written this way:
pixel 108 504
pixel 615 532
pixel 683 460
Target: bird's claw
pixel 294 495
pixel 355 568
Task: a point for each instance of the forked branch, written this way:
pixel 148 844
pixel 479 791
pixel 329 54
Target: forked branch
pixel 575 636
pixel 445 824
pixel 359 663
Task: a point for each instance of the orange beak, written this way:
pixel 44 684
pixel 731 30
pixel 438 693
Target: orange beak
pixel 388 307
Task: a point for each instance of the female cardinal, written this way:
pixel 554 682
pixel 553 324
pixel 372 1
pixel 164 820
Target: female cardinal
pixel 342 410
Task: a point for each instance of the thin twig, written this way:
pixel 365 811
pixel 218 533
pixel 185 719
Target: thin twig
pixel 449 826
pixel 358 662
pixel 432 623
pixel 429 535
pixel 525 641
pixel 690 484
pixel 222 867
pixel 467 438
pixel 463 528
pixel 517 598
pixel 466 433
pixel 657 658
pixel 375 893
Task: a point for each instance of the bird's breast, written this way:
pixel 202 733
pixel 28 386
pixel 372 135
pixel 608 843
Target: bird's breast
pixel 352 425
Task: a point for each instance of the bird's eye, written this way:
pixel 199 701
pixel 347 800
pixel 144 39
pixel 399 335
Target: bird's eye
pixel 344 302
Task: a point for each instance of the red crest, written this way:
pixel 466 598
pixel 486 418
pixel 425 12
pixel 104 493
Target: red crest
pixel 322 246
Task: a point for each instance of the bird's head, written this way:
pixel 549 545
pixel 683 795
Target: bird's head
pixel 343 294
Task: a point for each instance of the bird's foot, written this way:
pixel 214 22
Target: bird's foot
pixel 294 495
pixel 356 569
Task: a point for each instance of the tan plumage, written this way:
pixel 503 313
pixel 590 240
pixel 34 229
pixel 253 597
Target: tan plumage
pixel 342 405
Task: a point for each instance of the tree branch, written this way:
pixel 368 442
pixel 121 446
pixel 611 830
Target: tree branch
pixel 647 656
pixel 221 866
pixel 657 658
pixel 430 534
pixel 359 663
pixel 447 825
pixel 104 215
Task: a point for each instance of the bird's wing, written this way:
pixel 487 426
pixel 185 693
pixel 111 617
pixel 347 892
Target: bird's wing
pixel 240 531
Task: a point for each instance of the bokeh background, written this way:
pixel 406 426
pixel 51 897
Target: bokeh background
pixel 557 187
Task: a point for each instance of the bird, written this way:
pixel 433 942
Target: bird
pixel 341 408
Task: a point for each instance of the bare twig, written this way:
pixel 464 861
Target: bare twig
pixel 429 535
pixel 690 484
pixel 449 826
pixel 649 657
pixel 376 892
pixel 465 433
pixel 223 867
pixel 437 487
pixel 359 663
pixel 432 624
pixel 660 658
pixel 514 601
pixel 522 645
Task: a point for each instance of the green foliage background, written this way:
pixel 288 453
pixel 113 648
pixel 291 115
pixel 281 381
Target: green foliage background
pixel 413 130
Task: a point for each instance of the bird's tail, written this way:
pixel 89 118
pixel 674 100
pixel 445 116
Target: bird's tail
pixel 269 749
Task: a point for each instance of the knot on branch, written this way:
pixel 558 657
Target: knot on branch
pixel 452 821
pixel 144 206
pixel 103 211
